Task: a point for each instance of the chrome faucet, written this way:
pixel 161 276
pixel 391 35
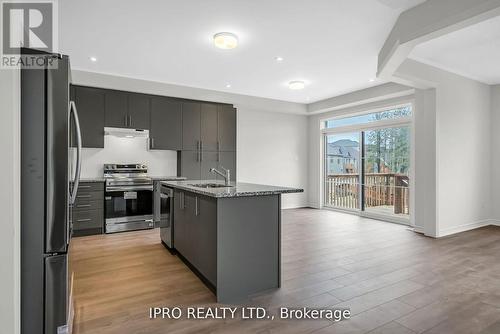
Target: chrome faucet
pixel 226 175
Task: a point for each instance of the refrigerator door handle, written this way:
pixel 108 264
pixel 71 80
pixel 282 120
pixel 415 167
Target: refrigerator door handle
pixel 78 170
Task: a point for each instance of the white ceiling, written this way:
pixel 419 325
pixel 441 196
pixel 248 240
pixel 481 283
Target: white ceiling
pixel 330 44
pixel 473 52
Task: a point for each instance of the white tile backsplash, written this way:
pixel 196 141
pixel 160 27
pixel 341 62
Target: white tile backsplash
pixel 127 150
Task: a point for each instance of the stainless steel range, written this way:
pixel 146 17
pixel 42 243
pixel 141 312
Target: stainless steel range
pixel 129 197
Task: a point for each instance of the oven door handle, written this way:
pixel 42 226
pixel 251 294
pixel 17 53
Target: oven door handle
pixel 128 188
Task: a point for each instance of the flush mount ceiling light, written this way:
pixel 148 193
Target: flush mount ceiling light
pixel 296 84
pixel 225 40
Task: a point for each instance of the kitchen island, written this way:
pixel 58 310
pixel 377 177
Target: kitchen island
pixel 230 236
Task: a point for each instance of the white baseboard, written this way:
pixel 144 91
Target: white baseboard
pixel 466 227
pixel 418 229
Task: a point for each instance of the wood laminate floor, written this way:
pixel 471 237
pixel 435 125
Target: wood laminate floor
pixel 392 279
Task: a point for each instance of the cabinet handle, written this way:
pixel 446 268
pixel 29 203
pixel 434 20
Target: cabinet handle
pixel 196 211
pixel 152 140
pixel 181 201
pixel 129 120
pixel 81 187
pixel 83 196
pixel 126 120
pixel 83 220
pixel 218 145
pixel 83 206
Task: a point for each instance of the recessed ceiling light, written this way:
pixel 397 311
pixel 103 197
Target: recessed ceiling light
pixel 278 59
pixel 129 136
pixel 372 79
pixel 225 40
pixel 93 59
pixel 228 85
pixel 296 84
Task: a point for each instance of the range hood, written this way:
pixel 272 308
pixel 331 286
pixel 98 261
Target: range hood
pixel 126 133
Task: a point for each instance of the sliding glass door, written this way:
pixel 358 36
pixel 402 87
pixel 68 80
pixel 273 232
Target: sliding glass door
pixel 342 161
pixel 386 165
pixel 367 163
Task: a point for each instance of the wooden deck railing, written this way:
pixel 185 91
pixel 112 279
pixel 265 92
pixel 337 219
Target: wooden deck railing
pixel 381 189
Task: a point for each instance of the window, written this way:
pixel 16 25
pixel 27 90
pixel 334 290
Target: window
pixel 394 113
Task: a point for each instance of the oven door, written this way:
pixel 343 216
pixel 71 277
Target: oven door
pixel 128 208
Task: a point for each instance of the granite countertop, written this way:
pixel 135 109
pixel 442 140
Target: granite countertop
pixel 238 189
pixel 167 178
pixel 154 178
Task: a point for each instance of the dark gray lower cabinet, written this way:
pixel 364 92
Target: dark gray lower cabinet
pixel 195 232
pixel 88 211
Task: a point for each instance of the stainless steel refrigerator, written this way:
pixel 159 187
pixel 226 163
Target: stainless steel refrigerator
pixel 46 194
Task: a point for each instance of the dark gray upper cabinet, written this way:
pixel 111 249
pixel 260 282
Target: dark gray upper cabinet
pixel 126 110
pixel 208 134
pixel 191 125
pixel 116 109
pixel 165 124
pixel 227 159
pixel 90 105
pixel 138 111
pixel 227 128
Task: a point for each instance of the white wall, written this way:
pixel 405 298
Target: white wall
pixel 272 149
pixel 463 148
pixel 495 152
pixel 271 136
pixel 128 150
pixel 9 202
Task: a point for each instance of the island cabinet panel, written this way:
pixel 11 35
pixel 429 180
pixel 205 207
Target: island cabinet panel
pixel 195 232
pixel 208 129
pixel 248 246
pixel 191 123
pixel 138 111
pixel 165 124
pixel 184 205
pixel 226 128
pixel 90 106
pixel 204 238
pixel 116 109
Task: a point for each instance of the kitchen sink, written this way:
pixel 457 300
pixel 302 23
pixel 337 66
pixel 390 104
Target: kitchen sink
pixel 210 185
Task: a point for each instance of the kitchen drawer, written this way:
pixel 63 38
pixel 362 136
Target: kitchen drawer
pixel 86 187
pixel 90 196
pixel 82 205
pixel 88 219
